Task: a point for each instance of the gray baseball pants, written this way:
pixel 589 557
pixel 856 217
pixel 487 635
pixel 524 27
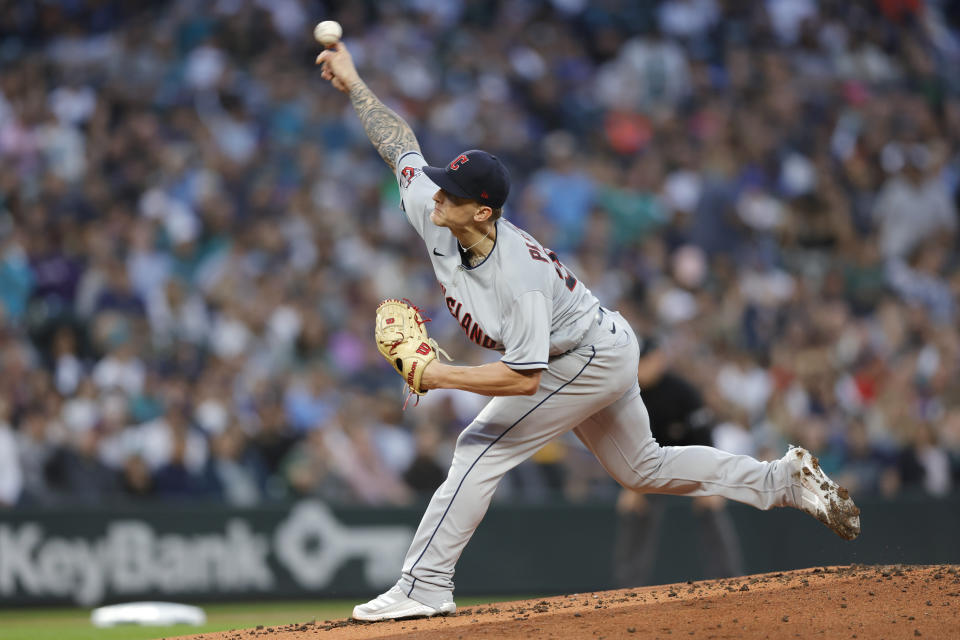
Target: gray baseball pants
pixel 592 390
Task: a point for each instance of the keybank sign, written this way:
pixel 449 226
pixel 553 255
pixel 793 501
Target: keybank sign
pixel 304 552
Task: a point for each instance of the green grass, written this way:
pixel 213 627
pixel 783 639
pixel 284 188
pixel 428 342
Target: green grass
pixel 74 624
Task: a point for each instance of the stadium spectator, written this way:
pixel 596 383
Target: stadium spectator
pixel 191 231
pixel 913 204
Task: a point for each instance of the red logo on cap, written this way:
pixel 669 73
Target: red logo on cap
pixel 483 194
pixel 458 161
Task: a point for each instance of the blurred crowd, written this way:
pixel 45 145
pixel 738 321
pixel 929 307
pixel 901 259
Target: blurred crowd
pixel 195 232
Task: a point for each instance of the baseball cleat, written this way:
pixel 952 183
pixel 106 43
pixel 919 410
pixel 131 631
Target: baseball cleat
pixel 395 604
pixel 821 497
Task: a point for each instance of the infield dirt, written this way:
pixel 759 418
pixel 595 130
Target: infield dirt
pixel 863 602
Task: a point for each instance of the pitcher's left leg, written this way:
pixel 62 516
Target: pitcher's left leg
pixel 508 431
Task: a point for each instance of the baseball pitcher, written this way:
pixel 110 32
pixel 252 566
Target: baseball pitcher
pixel 565 363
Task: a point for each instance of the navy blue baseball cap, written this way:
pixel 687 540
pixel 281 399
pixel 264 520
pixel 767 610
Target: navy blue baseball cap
pixel 476 175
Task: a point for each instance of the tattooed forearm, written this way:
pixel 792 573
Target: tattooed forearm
pixel 388 132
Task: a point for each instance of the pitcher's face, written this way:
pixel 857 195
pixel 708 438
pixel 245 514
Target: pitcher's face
pixel 451 211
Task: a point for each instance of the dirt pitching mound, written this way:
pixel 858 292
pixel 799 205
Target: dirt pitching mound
pixel 864 602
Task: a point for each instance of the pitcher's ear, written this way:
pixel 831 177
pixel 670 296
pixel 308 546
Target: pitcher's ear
pixel 483 213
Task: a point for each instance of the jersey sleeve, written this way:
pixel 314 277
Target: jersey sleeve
pixel 416 189
pixel 526 332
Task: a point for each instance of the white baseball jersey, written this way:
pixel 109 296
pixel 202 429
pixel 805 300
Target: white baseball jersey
pixel 520 300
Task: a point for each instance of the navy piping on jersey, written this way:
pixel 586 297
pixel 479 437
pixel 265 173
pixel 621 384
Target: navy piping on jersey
pixel 486 257
pixel 482 453
pixel 524 363
pixel 405 155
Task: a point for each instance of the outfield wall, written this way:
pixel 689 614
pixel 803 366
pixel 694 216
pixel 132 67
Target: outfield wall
pixel 309 550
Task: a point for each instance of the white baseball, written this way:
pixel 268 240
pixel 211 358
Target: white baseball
pixel 328 32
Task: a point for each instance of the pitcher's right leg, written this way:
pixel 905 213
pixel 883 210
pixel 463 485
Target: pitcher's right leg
pixel 620 437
